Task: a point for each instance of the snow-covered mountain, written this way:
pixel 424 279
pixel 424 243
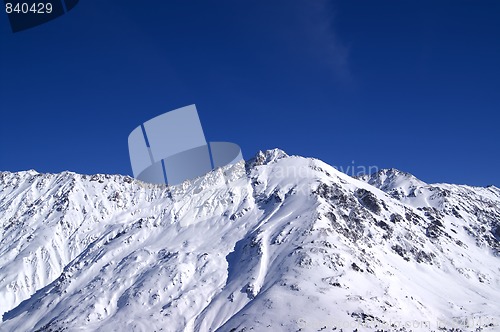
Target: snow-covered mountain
pixel 281 243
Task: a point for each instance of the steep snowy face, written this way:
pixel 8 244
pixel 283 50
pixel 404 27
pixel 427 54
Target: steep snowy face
pixel 280 243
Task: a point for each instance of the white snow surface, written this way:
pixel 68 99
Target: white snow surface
pixel 279 243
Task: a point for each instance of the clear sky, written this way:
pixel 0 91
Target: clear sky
pixel 413 85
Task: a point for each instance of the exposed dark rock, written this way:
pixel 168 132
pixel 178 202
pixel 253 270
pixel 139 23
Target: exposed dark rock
pixel 368 200
pixel 435 229
pixel 334 194
pixel 356 268
pixel 413 217
pixel 395 218
pixel 384 226
pixel 400 251
pixel 496 232
pixel 423 257
pixel 364 318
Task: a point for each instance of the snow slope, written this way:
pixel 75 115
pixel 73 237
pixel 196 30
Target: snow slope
pixel 281 243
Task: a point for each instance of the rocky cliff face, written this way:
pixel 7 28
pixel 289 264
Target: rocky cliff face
pixel 280 243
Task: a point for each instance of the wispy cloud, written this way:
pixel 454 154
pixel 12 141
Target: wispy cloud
pixel 318 22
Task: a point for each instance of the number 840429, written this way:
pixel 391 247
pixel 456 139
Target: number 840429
pixel 25 8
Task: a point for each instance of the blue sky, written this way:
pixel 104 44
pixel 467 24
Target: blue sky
pixel 413 85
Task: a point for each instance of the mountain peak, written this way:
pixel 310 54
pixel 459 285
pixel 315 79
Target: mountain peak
pixel 393 181
pixel 387 173
pixel 267 157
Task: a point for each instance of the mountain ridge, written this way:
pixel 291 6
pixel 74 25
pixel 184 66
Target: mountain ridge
pixel 242 247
